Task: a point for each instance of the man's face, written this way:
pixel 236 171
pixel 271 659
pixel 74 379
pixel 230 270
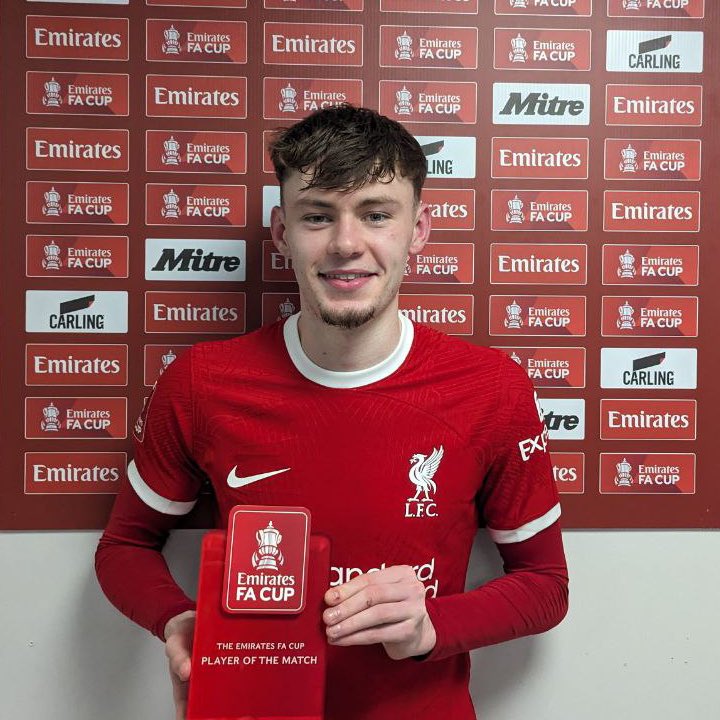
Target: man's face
pixel 349 249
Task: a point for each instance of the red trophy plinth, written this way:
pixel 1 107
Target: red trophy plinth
pixel 259 647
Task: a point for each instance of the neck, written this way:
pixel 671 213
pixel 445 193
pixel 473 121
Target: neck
pixel 344 350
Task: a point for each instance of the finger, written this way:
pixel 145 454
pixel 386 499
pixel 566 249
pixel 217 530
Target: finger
pixel 398 632
pixel 368 597
pixel 374 617
pixel 180 694
pixel 178 659
pixel 392 574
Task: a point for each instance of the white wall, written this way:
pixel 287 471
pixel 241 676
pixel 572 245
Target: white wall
pixel 641 642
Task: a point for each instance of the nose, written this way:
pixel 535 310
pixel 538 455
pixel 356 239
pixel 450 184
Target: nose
pixel 347 237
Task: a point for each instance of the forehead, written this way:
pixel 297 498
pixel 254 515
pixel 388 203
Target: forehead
pixel 295 191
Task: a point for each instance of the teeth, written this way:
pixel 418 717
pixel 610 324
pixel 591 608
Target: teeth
pixel 349 276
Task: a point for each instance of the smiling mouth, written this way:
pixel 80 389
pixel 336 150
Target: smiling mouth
pixel 347 277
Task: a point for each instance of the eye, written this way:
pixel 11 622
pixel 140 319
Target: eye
pixel 377 217
pixel 316 219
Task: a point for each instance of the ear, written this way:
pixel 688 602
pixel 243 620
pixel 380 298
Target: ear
pixel 277 230
pixel 421 231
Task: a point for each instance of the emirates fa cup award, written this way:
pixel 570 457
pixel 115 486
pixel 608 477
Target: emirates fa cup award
pixel 259 647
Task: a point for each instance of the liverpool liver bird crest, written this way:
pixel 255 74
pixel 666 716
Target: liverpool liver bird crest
pixel 422 471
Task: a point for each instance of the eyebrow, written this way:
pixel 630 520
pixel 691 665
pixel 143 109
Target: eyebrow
pixel 375 200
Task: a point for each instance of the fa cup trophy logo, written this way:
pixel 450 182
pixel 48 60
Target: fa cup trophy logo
pixel 627 265
pixel 167 360
pixel 513 321
pixel 52 93
pixel 52 260
pixel 51 419
pixel 171 156
pixel 404 47
pixel 514 215
pixel 623 477
pixel 518 53
pixel 171 46
pixel 403 104
pixel 52 207
pixel 268 556
pixel 631 4
pixel 289 102
pixel 286 309
pixel 629 160
pixel 626 320
pixel 518 4
pixel 171 208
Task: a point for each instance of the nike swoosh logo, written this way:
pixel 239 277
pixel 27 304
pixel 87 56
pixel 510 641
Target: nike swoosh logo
pixel 235 481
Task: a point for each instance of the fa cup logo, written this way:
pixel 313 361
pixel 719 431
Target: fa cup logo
pixel 288 102
pixel 52 260
pixel 268 556
pixel 514 356
pixel 626 320
pixel 171 46
pixel 623 476
pixel 518 53
pixel 50 421
pixel 515 215
pixel 52 93
pixel 627 265
pixel 403 104
pixel 513 320
pixel 52 207
pixel 518 4
pixel 167 360
pixel 631 4
pixel 171 156
pixel 286 309
pixel 171 208
pixel 404 47
pixel 629 160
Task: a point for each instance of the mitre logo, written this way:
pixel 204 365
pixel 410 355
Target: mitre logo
pixel 429 102
pixel 77 38
pixel 537 315
pixel 664 316
pixel 63 311
pixel 656 8
pixel 647 211
pixel 451 314
pixel 667 105
pixel 650 264
pixel 90 418
pixel 544 7
pixel 449 157
pixel 61 93
pixel 220 41
pixel 641 51
pixel 652 159
pixel 564 418
pixel 199 260
pixel 196 96
pixel 199 205
pixel 569 472
pixel 297 97
pixel 195 312
pixel 74 203
pixel 648 473
pixel 422 472
pixel 542 49
pixel 73 473
pixel 539 210
pixel 644 419
pixel 428 47
pixel 530 104
pixel 551 367
pixel 76 149
pixel 650 368
pixel 544 264
pixel 538 157
pixel 313 44
pixel 75 364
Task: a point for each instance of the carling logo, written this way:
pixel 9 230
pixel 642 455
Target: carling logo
pixel 544 7
pixel 647 473
pixel 541 49
pixel 645 419
pixel 76 38
pixel 539 210
pixel 87 418
pixel 449 157
pixel 650 264
pixel 76 256
pixel 442 263
pixel 538 264
pixel 561 315
pixel 541 104
pixel 88 203
pixel 564 417
pixel 459 7
pixel 663 316
pixel 429 102
pixel 659 51
pixel 195 312
pixel 648 211
pixel 195 151
pixel 55 364
pixel 76 311
pixel 313 44
pixel 287 97
pixel 428 47
pixel 652 159
pixel 64 93
pixel 540 158
pixel 666 105
pixel 79 149
pixel 199 205
pixel 551 367
pixel 648 368
pixel 157 359
pixel 210 96
pixel 73 473
pixel 220 41
pixel 569 472
pixel 186 259
pixel 451 314
pixel 687 9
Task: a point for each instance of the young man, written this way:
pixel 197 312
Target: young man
pixel 400 440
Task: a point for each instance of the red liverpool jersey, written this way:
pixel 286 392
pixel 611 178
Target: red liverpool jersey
pixel 399 464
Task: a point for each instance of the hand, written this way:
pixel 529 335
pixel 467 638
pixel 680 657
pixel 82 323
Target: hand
pixel 387 606
pixel 178 647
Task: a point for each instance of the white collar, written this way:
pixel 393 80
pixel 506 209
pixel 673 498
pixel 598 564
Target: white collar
pixel 351 378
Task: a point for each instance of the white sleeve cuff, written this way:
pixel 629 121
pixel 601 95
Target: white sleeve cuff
pixel 525 532
pixel 152 499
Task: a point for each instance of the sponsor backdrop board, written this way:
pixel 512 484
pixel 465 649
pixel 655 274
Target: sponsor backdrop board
pixel 570 150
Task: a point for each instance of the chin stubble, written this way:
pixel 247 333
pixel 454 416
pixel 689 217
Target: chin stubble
pixel 347 319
